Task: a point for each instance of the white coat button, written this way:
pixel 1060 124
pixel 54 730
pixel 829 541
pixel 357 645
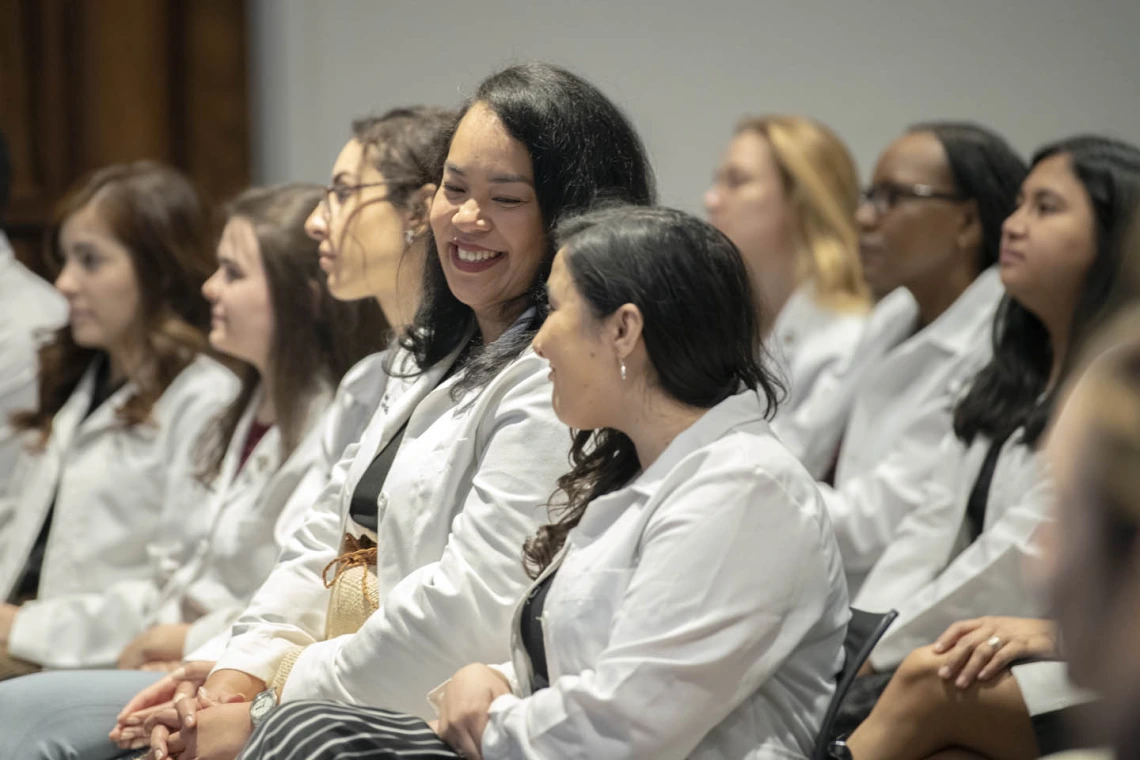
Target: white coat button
pixel 382 501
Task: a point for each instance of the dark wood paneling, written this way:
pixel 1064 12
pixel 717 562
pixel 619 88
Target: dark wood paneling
pixel 85 83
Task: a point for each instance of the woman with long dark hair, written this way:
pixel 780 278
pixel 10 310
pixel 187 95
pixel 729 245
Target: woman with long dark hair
pixel 962 554
pixel 929 233
pixel 124 392
pixel 689 599
pixel 420 529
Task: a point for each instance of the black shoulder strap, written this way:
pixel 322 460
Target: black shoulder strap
pixel 980 493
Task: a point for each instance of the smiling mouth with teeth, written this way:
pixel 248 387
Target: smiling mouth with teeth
pixel 473 256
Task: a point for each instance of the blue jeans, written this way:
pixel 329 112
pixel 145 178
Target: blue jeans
pixel 65 714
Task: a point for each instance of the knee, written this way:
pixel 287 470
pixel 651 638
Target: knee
pixel 919 671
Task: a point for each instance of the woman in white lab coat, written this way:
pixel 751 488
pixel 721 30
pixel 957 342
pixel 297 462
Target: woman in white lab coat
pixel 124 393
pixel 272 311
pixel 30 308
pixel 930 230
pixel 963 553
pixel 689 601
pixel 786 193
pixel 431 546
pixel 256 507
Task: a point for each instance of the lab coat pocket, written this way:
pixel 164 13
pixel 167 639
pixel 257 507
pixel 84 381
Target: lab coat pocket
pixel 579 614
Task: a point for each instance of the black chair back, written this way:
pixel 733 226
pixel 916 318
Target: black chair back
pixel 863 633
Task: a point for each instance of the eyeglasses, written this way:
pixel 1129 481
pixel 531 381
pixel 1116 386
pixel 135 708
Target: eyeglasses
pixel 886 196
pixel 341 192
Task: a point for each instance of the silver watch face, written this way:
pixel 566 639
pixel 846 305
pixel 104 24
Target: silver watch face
pixel 261 705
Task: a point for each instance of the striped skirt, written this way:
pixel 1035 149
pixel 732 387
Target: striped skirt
pixel 313 730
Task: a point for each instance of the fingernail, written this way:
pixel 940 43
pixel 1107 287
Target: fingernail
pixel 158 754
pixel 962 683
pixel 944 671
pixel 203 693
pixel 188 720
pixel 938 648
pixel 132 721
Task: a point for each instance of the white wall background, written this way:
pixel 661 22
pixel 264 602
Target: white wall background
pixel 685 70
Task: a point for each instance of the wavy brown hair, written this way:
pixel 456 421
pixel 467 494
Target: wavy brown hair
pixel 316 337
pixel 163 222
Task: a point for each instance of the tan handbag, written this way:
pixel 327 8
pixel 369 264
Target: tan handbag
pixel 355 589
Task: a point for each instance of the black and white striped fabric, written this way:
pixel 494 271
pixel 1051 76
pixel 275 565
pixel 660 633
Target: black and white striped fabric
pixel 315 730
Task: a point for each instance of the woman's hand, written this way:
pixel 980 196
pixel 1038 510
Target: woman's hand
pixel 129 727
pixel 7 618
pixel 466 702
pixel 160 643
pixel 222 732
pixel 981 648
pixel 175 729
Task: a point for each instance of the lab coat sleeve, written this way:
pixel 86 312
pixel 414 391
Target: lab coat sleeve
pixel 868 507
pixel 458 609
pixel 290 607
pixel 89 630
pixel 988 578
pixel 733 575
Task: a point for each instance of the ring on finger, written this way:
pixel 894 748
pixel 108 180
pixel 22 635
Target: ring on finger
pixel 994 642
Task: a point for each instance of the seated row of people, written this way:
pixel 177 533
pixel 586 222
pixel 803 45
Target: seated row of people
pixel 690 596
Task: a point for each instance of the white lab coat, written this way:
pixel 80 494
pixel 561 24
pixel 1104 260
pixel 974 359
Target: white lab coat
pixel 904 390
pixel 113 531
pixel 29 310
pixel 468 486
pixel 343 423
pixel 810 344
pixel 931 573
pixel 243 526
pixel 699 612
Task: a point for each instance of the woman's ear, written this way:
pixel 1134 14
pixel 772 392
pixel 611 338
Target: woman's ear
pixel 627 322
pixel 970 232
pixel 420 208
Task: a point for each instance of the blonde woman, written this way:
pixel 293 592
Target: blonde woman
pixel 786 193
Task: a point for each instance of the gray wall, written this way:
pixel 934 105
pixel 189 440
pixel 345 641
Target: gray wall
pixel 685 70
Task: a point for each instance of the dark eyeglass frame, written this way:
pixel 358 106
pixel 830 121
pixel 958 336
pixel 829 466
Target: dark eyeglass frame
pixel 886 196
pixel 347 190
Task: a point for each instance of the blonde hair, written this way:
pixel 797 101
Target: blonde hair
pixel 822 185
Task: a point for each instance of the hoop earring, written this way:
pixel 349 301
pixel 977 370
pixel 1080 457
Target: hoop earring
pixel 622 364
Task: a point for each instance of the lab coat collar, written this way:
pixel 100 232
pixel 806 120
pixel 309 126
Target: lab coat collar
pixel 739 410
pixel 956 328
pixel 105 415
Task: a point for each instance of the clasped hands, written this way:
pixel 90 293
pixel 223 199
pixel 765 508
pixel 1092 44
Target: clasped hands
pixel 190 715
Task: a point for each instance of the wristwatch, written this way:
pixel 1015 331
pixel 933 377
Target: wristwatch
pixel 838 750
pixel 261 706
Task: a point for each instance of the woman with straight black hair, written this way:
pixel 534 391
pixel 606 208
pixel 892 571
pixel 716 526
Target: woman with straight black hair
pixel 428 511
pixel 962 555
pixel 689 600
pixel 929 233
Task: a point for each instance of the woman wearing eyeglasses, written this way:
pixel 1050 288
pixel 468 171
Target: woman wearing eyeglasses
pixel 929 233
pixel 962 553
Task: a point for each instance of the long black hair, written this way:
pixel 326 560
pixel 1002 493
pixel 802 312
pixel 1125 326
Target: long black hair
pixel 986 170
pixel 582 149
pixel 701 332
pixel 1007 393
